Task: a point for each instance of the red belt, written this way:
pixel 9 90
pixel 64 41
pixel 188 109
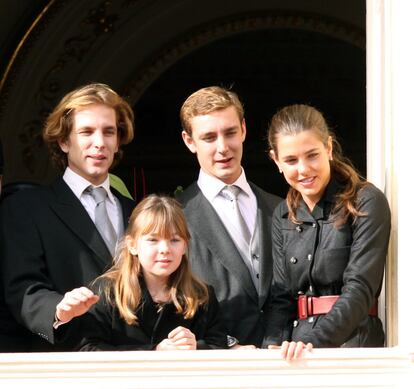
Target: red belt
pixel 309 306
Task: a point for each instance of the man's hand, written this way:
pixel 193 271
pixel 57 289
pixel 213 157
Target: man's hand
pixel 75 303
pixel 179 338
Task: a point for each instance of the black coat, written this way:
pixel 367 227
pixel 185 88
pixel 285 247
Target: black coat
pixel 49 246
pixel 105 330
pixel 317 258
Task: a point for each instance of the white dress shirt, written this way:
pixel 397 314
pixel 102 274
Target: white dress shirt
pixel 211 188
pixel 78 184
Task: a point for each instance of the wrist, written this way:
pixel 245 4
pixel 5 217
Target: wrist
pixel 58 322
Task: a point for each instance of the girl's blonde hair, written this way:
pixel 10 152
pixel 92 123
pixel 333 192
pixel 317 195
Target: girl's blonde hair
pixel 294 119
pixel 163 216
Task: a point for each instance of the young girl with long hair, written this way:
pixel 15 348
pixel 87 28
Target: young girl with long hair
pixel 149 299
pixel 330 239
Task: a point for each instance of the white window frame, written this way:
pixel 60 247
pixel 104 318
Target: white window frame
pixel 390 135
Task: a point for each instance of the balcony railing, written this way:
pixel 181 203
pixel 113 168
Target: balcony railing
pixel 321 368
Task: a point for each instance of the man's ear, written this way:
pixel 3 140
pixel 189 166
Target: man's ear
pixel 189 142
pixel 243 126
pixel 64 146
pixel 118 143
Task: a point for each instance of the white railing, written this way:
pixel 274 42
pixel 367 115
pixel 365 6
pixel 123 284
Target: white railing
pixel 322 368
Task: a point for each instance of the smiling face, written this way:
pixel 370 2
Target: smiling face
pixel 304 161
pixel 92 143
pixel 159 256
pixel 217 139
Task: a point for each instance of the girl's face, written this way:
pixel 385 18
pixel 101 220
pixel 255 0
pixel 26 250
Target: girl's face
pixel 304 161
pixel 159 257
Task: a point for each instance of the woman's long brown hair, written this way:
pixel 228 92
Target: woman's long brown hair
pixel 294 119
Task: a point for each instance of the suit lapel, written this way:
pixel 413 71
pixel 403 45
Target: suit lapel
pixel 263 224
pixel 71 212
pixel 208 226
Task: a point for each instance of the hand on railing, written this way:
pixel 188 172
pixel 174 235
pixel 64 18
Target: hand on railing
pixel 179 338
pixel 292 350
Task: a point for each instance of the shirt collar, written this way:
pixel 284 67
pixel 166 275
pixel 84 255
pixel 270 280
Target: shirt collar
pixel 323 207
pixel 78 184
pixel 211 186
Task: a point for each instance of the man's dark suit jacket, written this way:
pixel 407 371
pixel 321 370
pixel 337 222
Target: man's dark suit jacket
pixel 49 246
pixel 216 259
pixel 13 336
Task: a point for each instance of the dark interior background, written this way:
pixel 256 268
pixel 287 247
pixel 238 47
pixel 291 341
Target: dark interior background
pixel 157 52
pixel 268 69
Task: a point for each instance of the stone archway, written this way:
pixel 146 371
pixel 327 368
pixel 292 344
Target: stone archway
pixel 305 59
pixel 130 44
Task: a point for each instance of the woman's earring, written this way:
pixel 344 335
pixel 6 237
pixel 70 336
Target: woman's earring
pixel 280 171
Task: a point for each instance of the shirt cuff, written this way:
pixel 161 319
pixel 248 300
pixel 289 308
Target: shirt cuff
pixel 57 323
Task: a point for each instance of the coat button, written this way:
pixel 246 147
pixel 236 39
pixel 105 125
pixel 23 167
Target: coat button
pixel 314 225
pixel 293 260
pixel 309 257
pixel 255 256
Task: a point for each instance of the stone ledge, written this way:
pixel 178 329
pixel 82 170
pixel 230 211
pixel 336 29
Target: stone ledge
pixel 323 368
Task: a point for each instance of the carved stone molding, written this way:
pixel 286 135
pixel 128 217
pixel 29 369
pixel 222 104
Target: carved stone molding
pixel 215 30
pixel 95 21
pixel 55 53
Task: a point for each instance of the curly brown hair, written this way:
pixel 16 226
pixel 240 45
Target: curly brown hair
pixel 59 123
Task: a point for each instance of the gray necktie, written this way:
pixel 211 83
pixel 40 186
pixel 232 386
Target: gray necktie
pixel 102 221
pixel 231 192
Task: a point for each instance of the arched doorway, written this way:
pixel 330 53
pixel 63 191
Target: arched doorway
pixel 156 53
pixel 268 68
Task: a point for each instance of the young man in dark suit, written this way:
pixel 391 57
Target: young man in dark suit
pixel 53 244
pixel 13 337
pixel 231 243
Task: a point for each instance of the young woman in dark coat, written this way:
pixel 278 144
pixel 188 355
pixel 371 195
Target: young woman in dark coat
pixel 149 299
pixel 330 239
